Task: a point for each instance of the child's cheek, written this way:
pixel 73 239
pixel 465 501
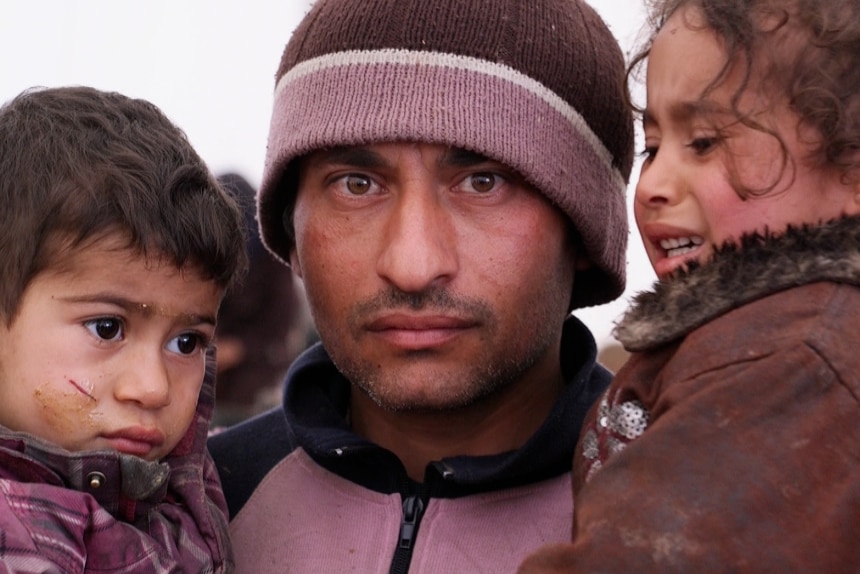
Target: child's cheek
pixel 66 410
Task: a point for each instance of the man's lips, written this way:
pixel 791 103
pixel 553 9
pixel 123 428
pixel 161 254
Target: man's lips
pixel 419 331
pixel 136 440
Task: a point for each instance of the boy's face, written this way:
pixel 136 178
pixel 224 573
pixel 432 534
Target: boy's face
pixel 686 202
pixel 108 353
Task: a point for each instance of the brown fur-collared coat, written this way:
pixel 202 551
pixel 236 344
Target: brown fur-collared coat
pixel 730 441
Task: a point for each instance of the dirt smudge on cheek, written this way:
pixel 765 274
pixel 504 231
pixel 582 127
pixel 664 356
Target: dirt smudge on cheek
pixel 67 411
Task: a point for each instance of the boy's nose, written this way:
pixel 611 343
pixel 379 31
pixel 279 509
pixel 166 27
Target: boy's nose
pixel 145 381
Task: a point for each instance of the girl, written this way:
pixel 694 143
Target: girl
pixel 730 441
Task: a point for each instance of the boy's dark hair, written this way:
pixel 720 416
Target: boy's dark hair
pixel 79 164
pixel 806 51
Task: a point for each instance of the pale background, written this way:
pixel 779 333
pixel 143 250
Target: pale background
pixel 210 66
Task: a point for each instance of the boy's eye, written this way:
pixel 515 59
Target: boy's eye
pixel 185 344
pixel 105 328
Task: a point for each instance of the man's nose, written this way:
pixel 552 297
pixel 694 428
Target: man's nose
pixel 419 244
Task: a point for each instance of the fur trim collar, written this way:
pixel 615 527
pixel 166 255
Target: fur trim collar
pixel 762 265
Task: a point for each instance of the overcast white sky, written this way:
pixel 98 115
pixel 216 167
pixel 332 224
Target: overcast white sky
pixel 209 65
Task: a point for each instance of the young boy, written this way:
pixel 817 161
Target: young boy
pixel 117 246
pixel 730 441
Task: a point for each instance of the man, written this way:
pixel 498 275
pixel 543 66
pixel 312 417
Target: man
pixel 447 178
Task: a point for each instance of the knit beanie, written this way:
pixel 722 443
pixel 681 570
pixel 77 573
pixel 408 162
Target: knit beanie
pixel 537 85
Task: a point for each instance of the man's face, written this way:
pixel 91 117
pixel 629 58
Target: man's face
pixel 436 277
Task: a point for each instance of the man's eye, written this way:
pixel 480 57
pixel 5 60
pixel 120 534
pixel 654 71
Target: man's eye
pixel 105 328
pixel 358 184
pixel 185 344
pixel 483 182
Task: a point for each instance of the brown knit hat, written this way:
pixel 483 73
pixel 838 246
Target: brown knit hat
pixel 536 85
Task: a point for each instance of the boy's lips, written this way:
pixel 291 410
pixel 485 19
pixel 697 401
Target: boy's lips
pixel 135 440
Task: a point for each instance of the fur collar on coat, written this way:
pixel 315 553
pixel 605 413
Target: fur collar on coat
pixel 763 264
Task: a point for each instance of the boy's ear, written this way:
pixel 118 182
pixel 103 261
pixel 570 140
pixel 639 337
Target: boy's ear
pixel 294 263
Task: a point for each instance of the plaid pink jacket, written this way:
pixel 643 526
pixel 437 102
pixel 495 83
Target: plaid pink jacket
pixel 108 512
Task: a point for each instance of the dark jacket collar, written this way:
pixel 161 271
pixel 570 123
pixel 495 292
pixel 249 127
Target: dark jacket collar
pixel 760 265
pixel 317 397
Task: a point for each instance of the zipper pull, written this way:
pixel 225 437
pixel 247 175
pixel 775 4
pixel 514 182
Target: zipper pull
pixel 413 508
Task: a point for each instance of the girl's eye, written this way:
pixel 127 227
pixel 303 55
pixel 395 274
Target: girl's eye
pixel 358 184
pixel 105 328
pixel 649 153
pixel 703 145
pixel 186 343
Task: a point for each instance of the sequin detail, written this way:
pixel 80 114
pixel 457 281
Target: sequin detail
pixel 617 424
pixel 592 470
pixel 629 419
pixel 589 445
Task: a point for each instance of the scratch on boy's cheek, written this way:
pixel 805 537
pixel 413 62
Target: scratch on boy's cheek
pixel 67 410
pixel 84 386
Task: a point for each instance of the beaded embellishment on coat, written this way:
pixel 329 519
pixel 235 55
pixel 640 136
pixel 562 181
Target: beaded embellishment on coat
pixel 618 423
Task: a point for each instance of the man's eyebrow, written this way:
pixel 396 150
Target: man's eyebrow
pixel 357 156
pixel 459 157
pixel 143 308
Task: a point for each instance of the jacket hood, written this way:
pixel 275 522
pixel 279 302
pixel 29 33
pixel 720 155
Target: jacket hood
pixel 759 265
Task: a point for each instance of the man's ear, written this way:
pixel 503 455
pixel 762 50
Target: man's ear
pixel 581 262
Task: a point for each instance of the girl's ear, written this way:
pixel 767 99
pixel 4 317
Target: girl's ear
pixel 851 183
pixel 854 204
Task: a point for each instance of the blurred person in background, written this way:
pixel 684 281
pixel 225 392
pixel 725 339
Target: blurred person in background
pixel 263 325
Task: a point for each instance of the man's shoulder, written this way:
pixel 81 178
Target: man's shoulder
pixel 246 452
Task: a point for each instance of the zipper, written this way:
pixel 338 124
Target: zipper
pixel 414 505
pixel 413 510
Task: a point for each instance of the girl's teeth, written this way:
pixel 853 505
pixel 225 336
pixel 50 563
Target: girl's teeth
pixel 675 246
pixel 679 251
